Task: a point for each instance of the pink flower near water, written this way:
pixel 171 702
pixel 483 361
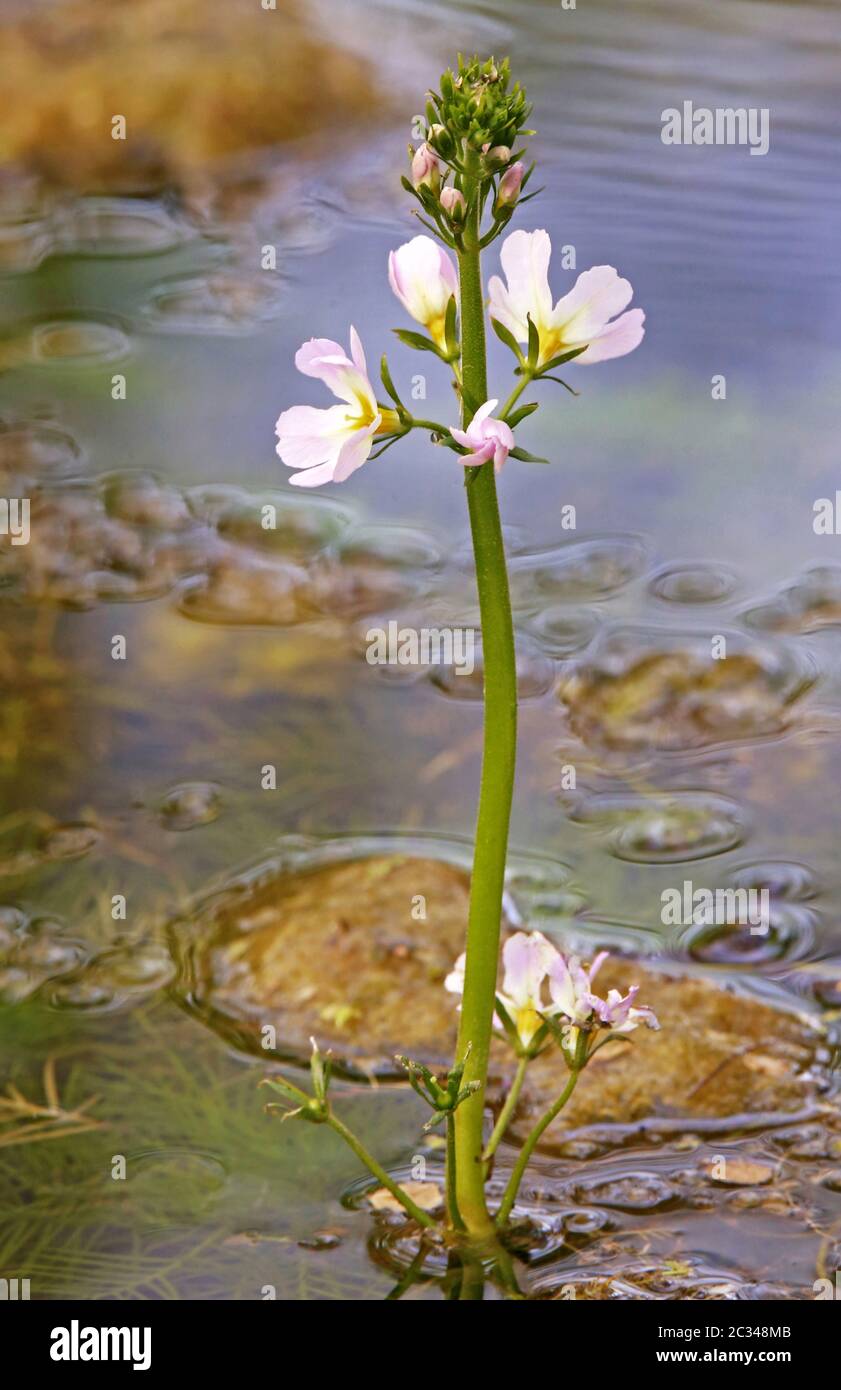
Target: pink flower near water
pixel 530 964
pixel 485 438
pixel 573 998
pixel 584 318
pixel 425 279
pixel 526 957
pixel 331 443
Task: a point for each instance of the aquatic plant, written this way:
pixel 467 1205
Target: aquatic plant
pixel 469 178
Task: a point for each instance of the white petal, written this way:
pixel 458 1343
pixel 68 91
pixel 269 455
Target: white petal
pixel 617 339
pixel 481 414
pixel 357 352
pixel 597 295
pixel 502 308
pixel 355 451
pixel 525 260
pixel 314 477
pixel 527 958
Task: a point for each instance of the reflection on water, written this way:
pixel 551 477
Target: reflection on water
pixel 244 642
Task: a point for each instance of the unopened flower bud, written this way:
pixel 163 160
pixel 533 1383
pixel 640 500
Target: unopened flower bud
pixel 454 204
pixel 498 157
pixel 426 168
pixel 441 141
pixel 509 186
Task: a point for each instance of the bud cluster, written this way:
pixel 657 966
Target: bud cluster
pixel 473 125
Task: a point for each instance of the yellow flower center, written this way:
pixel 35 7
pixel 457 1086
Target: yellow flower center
pixel 527 1022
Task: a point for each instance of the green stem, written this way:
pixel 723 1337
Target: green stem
pixel 500 747
pixel 452 1200
pixel 508 1109
pixel 422 1217
pixel 510 1194
pixel 431 425
pixel 515 395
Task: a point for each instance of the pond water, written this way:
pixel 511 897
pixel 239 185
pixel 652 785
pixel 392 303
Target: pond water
pixel 143 778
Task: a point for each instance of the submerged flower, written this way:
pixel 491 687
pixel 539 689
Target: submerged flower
pixel 424 278
pixel 584 318
pixel 329 444
pixel 485 437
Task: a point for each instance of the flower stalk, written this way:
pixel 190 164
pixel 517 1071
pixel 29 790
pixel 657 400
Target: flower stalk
pixel 510 1195
pixel 500 742
pixel 469 171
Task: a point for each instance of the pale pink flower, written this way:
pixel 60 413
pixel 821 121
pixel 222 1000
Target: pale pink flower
pixel 329 444
pixel 584 318
pixel 571 988
pixel 620 1015
pixel 530 961
pixel 526 957
pixel 485 437
pixel 424 278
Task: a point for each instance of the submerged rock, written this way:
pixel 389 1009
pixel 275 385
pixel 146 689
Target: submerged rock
pixel 217 81
pixel 718 1055
pixel 642 691
pixel 355 952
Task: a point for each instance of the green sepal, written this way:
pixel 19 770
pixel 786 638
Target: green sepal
pixel 561 359
pixel 385 376
pixel 534 342
pixel 450 333
pixel 561 382
pixel 418 342
pixel 507 337
pixel 320 1069
pixel 287 1090
pixel 520 414
pixel 525 457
